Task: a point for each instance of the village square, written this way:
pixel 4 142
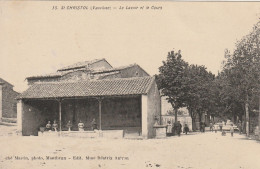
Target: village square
pixel 179 90
pixel 92 106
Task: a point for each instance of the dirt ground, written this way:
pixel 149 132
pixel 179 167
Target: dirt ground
pixel 193 151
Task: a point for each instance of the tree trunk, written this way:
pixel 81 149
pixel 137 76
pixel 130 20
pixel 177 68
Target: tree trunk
pixel 200 115
pixel 193 124
pixel 247 116
pixel 175 115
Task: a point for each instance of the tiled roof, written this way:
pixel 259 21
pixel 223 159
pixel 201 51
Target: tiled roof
pixel 80 65
pixel 110 87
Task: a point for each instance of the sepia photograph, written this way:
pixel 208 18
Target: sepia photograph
pixel 129 85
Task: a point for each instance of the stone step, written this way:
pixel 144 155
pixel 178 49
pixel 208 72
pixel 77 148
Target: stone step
pixel 8 124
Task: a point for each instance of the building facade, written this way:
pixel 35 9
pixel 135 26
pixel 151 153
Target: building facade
pixel 7 100
pixel 123 98
pixel 128 104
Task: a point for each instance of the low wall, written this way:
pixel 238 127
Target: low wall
pixel 183 120
pixel 115 134
pixel 9 120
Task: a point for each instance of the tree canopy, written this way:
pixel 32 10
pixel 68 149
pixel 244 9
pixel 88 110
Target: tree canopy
pixel 233 93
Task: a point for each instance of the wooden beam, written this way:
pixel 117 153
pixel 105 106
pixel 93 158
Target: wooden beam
pixel 60 114
pixel 99 108
pixel 100 111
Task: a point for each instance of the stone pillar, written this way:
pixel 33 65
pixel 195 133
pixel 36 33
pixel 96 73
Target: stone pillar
pixel 144 117
pixel 19 116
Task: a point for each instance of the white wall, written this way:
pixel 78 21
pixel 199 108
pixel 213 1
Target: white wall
pixel 19 115
pixel 144 117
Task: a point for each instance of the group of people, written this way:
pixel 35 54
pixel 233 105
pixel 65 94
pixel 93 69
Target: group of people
pixel 93 125
pixel 219 126
pixel 54 126
pixel 176 128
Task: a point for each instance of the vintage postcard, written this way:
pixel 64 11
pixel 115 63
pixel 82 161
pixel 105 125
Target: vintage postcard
pixel 129 84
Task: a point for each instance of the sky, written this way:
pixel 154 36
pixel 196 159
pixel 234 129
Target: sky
pixel 35 40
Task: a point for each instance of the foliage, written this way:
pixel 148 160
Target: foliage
pixel 185 85
pixel 233 92
pixel 199 97
pixel 241 74
pixel 171 81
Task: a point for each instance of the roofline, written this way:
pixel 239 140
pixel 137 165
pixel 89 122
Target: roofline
pixel 151 79
pixel 113 79
pixel 143 70
pixel 60 70
pixel 42 77
pixel 6 82
pixel 106 71
pixel 115 69
pixel 106 61
pixel 118 69
pixel 52 76
pixel 80 97
pixel 97 72
pixel 77 67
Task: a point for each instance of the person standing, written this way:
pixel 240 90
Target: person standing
pixel 216 127
pixel 179 128
pixel 231 130
pixel 239 125
pixel 169 128
pixel 186 128
pixel 211 126
pixel 202 127
pixel 220 126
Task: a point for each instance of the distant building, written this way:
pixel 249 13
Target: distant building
pixel 168 114
pixel 7 100
pixel 88 70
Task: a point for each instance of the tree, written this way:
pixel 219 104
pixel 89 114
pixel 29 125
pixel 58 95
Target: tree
pixel 171 80
pixel 199 97
pixel 242 71
pixel 185 85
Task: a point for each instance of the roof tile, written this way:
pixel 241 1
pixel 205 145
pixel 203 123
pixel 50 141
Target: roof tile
pixel 108 87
